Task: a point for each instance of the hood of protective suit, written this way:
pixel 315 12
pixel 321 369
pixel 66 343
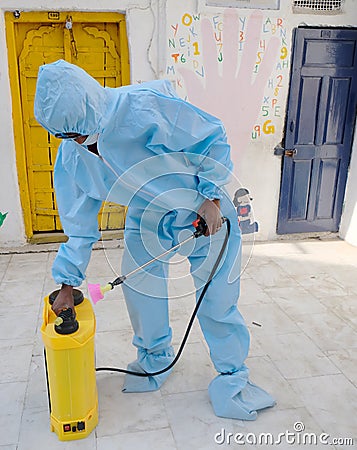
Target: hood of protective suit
pixel 69 100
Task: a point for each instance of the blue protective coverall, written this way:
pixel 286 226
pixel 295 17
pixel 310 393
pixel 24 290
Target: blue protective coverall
pixel 162 157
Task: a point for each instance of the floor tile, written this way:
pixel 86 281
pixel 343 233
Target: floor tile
pixel 251 293
pixel 4 262
pixel 276 249
pixel 259 260
pixel 23 269
pixel 38 345
pixel 296 356
pixel 11 400
pixel 327 330
pixel 295 300
pixel 180 283
pixel 36 393
pixel 106 264
pixel 193 372
pixel 302 265
pixel 346 275
pixel 269 274
pixel 127 412
pixel 321 285
pixel 20 323
pixel 39 259
pixel 255 348
pixel 161 439
pixel 114 349
pixel 111 312
pixel 182 303
pixel 330 252
pixel 193 421
pixel 331 400
pixel 179 320
pixel 17 354
pixel 344 307
pixel 346 361
pixel 13 293
pixel 270 317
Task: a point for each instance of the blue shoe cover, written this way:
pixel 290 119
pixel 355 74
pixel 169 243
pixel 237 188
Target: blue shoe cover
pixel 233 396
pixel 148 362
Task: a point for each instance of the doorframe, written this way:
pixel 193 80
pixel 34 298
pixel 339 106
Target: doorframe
pixel 17 117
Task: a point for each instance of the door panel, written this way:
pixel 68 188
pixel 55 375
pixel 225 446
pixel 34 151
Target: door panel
pixel 329 52
pixel 94 41
pixel 336 115
pixel 40 150
pixel 307 119
pixel 319 130
pixel 328 175
pixel 298 208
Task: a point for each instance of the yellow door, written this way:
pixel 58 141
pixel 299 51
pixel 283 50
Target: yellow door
pixel 97 42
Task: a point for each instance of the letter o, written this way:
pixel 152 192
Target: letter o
pixel 187 19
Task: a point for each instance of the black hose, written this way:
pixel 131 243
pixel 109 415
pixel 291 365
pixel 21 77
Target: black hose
pixel 190 323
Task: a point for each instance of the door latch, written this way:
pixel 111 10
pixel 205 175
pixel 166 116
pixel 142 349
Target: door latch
pixel 291 153
pixel 69 27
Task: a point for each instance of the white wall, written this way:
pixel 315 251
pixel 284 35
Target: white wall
pixel 232 91
pixel 151 25
pixel 12 230
pixel 348 229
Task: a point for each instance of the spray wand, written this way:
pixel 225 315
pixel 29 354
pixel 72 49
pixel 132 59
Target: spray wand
pixel 96 291
pixel 201 228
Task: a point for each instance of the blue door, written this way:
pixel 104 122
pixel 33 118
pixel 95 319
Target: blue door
pixel 319 130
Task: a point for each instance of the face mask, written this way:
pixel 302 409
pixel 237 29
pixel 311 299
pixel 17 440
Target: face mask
pixel 91 139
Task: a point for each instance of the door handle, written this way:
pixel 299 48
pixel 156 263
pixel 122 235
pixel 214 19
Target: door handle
pixel 292 126
pixel 291 153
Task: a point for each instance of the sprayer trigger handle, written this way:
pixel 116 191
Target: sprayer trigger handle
pixel 201 227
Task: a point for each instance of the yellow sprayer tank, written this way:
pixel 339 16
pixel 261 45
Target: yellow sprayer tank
pixel 70 370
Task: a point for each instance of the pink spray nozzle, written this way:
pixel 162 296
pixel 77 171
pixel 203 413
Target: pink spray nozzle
pixel 96 291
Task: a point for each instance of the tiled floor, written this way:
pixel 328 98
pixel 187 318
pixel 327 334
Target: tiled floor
pixel 302 296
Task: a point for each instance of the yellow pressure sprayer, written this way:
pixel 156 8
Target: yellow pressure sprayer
pixel 70 368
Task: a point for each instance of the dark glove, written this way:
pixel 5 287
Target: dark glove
pixel 211 214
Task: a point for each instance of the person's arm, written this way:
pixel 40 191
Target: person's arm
pixel 78 213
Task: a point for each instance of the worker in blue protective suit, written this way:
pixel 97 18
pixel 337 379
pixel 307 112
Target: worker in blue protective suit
pixel 144 147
